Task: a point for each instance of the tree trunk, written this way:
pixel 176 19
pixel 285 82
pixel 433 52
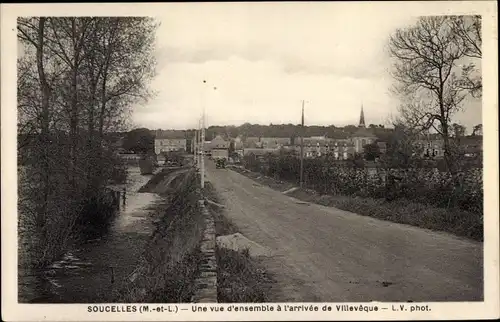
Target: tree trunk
pixel 44 136
pixel 91 166
pixel 74 108
pixel 100 139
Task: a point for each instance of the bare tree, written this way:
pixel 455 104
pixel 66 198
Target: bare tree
pixel 468 31
pixel 425 64
pixel 32 31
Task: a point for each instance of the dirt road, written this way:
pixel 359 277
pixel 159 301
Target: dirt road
pixel 326 254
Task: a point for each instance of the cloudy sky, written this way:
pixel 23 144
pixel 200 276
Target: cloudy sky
pixel 264 59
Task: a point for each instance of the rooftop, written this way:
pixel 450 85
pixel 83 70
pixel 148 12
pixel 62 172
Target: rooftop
pixel 169 134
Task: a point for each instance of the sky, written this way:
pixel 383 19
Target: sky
pixel 264 60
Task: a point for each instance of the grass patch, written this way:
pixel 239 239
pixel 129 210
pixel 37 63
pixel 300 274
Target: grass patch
pixel 171 258
pixel 455 221
pixel 223 226
pixel 157 179
pixel 240 278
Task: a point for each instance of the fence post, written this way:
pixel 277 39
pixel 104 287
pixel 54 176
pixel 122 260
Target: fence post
pixel 112 275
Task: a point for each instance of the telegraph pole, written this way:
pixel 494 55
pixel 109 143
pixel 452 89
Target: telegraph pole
pixel 200 147
pixel 203 151
pixel 203 138
pixel 302 148
pixel 198 160
pixel 195 135
pixel 203 126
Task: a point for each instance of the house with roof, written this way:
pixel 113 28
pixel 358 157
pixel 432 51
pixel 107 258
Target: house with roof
pixel 219 148
pixel 260 153
pixel 314 147
pixel 472 145
pixel 252 142
pixel 170 141
pixel 340 149
pixel 430 146
pixel 274 142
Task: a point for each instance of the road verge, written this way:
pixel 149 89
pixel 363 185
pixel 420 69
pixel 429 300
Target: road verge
pixel 241 278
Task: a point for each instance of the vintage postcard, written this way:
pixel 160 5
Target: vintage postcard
pixel 250 161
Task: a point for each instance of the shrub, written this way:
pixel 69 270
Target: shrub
pixel 426 184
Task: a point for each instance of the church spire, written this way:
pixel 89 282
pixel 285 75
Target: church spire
pixel 362 118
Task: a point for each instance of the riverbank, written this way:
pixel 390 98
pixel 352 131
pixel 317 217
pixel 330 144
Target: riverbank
pixel 91 272
pixel 455 221
pixel 170 260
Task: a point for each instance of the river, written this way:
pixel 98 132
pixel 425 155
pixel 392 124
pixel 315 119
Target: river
pixel 89 273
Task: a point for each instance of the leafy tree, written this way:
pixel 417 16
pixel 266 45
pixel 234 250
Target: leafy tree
pixel 477 130
pixel 403 150
pixel 231 149
pixel 458 130
pixel 78 76
pixel 139 140
pixel 371 151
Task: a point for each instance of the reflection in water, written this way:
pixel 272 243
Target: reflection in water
pixel 89 274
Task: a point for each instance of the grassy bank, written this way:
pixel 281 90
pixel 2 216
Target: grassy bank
pixel 455 221
pixel 240 278
pixel 157 179
pixel 171 258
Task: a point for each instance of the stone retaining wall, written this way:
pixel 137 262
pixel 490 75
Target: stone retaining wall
pixel 206 283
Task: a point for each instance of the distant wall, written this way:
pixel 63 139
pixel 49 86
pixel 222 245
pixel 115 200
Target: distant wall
pixel 220 153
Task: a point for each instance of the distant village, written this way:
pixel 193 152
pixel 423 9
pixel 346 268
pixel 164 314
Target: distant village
pixel 222 146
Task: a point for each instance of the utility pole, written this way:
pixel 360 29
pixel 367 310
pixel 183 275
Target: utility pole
pixel 203 126
pixel 200 147
pixel 203 151
pixel 203 138
pixel 302 148
pixel 198 135
pixel 195 150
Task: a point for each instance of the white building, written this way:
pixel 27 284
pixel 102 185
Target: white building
pixel 170 145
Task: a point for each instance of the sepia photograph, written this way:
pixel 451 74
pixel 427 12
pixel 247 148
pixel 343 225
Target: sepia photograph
pixel 230 153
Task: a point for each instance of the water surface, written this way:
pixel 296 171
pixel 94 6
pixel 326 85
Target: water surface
pixel 91 272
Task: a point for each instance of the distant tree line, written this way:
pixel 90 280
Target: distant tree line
pixel 283 131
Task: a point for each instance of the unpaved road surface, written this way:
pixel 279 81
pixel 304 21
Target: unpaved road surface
pixel 326 254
